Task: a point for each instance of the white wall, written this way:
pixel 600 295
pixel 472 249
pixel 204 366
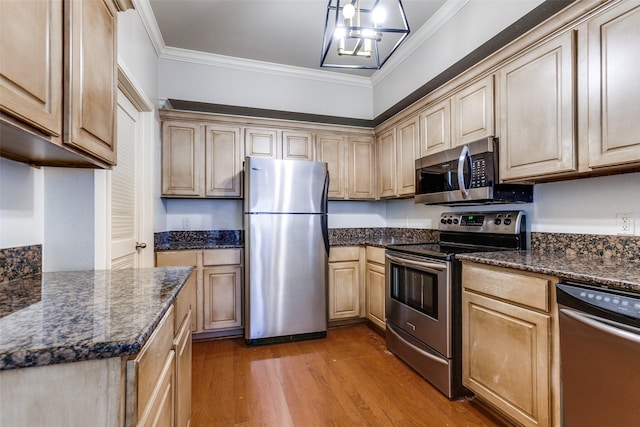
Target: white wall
pixel 69 220
pixel 586 206
pixel 474 24
pixel 301 92
pixel 21 204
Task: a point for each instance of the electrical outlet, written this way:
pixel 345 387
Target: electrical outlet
pixel 186 223
pixel 626 223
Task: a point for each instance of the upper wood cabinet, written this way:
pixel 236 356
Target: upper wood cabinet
pixel 608 45
pixel 276 144
pixel 92 79
pixel 361 167
pixel 351 163
pixel 58 79
pixel 461 117
pixel 31 63
pixel 223 161
pixel 397 152
pixel 537 97
pixel 387 164
pixel 332 149
pixel 182 154
pixel 435 128
pixel 407 140
pixel 194 165
pixel 297 145
pixel 472 115
pixel 262 143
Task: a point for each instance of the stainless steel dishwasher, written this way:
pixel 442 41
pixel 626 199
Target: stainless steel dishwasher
pixel 599 355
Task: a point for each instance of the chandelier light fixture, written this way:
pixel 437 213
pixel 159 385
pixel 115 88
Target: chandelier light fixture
pixel 362 34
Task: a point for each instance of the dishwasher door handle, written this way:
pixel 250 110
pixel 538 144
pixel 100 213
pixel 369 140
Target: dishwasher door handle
pixel 612 328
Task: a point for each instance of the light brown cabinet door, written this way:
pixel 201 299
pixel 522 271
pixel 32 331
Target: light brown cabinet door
pixel 375 294
pixel 506 357
pixel 182 346
pixel 223 162
pixel 31 63
pixel 182 159
pixel 472 112
pixel 297 146
pixel 614 86
pixel 92 76
pixel 407 143
pixel 435 123
pixel 362 167
pixel 262 143
pixel 331 148
pixel 344 290
pixel 222 297
pixel 387 164
pixel 537 136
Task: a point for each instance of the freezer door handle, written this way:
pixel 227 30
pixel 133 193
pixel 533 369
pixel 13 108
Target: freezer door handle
pixel 325 209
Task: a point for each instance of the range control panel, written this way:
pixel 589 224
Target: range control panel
pixel 500 222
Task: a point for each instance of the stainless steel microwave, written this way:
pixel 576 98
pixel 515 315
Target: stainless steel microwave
pixel 466 175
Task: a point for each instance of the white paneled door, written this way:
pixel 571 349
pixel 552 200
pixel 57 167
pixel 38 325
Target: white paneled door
pixel 126 188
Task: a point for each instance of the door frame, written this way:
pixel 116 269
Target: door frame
pixel 134 93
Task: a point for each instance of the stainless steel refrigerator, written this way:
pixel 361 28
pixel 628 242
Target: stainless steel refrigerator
pixel 286 250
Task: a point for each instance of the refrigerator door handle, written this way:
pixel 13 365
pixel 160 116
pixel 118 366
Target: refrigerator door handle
pixel 325 208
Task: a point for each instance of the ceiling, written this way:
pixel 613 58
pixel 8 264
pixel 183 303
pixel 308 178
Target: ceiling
pixel 286 32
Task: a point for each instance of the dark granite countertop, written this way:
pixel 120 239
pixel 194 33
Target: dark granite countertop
pixel 615 273
pixel 81 315
pixel 196 246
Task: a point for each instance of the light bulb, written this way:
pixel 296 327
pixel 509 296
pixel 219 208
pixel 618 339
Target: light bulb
pixel 348 11
pixel 378 15
pixel 339 33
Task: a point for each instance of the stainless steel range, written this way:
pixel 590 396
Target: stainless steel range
pixel 423 292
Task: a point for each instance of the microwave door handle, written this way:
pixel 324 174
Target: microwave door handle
pixel 418 264
pixel 465 158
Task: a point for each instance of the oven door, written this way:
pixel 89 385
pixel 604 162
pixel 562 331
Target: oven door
pixel 418 298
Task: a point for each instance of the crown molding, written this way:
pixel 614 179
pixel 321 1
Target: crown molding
pixel 185 55
pixel 442 15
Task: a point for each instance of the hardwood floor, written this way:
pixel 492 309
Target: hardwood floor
pixel 347 379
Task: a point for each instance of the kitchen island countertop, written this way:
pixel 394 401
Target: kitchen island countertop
pixel 61 317
pixel 616 273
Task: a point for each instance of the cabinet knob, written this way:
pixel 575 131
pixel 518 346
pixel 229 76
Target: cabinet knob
pixel 141 246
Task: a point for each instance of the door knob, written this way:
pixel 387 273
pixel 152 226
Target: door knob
pixel 141 246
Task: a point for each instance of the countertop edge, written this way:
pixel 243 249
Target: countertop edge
pixel 526 261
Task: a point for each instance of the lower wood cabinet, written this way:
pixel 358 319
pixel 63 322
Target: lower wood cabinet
pixel 219 274
pixel 222 297
pixel 346 288
pixel 375 283
pixel 509 345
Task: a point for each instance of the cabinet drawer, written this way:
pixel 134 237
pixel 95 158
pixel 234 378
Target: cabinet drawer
pixel 222 257
pixel 523 289
pixel 143 372
pixel 344 253
pixel 160 408
pixel 176 258
pixel 186 302
pixel 375 254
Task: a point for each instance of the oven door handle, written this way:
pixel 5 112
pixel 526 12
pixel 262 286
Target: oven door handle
pixel 418 264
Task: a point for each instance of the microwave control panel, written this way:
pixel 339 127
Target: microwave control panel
pixel 479 176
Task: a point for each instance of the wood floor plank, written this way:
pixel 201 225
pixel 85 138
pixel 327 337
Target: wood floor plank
pixel 346 379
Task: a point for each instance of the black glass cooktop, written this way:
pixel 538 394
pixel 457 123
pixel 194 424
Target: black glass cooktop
pixel 440 250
